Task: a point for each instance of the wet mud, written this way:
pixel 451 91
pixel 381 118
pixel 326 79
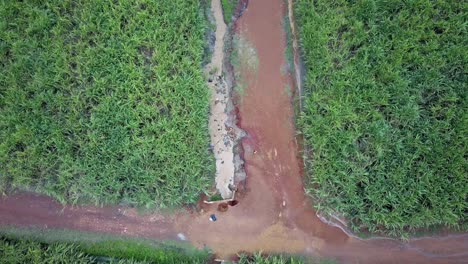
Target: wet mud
pixel 33 210
pixel 271 212
pixel 224 133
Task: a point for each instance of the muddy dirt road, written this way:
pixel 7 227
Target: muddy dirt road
pixel 33 210
pixel 273 214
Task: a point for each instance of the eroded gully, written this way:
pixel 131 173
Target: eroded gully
pixel 273 214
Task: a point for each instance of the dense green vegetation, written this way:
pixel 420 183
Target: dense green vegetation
pixel 134 250
pixel 47 245
pixel 36 246
pixel 385 111
pixel 26 251
pixel 104 101
pixel 12 251
pixel 229 6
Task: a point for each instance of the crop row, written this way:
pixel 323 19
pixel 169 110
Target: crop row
pixel 384 118
pixel 104 101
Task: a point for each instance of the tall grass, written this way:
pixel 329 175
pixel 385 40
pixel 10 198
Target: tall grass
pixel 47 245
pixel 28 251
pixel 16 252
pixel 385 111
pixel 258 258
pixel 104 101
pixel 229 7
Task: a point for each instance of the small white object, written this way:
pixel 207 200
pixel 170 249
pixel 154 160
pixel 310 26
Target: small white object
pixel 181 236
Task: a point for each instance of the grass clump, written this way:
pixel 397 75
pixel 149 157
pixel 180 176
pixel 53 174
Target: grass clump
pixel 104 101
pixel 229 6
pixel 385 111
pixel 215 197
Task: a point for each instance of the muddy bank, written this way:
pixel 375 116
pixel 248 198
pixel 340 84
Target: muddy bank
pixel 224 132
pixel 236 230
pixel 297 62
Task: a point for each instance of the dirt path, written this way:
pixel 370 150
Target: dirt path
pixel 223 130
pixel 29 209
pixel 273 214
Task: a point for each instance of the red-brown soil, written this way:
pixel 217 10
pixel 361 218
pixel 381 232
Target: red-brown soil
pixel 29 209
pixel 273 213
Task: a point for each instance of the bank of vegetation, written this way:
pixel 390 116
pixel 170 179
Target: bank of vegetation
pixel 18 251
pixel 40 246
pixel 385 111
pixel 28 251
pixel 66 246
pixel 229 7
pixel 104 101
pixel 259 258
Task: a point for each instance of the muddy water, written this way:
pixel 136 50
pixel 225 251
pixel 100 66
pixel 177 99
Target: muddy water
pixel 266 115
pixel 273 214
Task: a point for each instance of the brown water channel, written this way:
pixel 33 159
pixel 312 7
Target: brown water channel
pixel 273 213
